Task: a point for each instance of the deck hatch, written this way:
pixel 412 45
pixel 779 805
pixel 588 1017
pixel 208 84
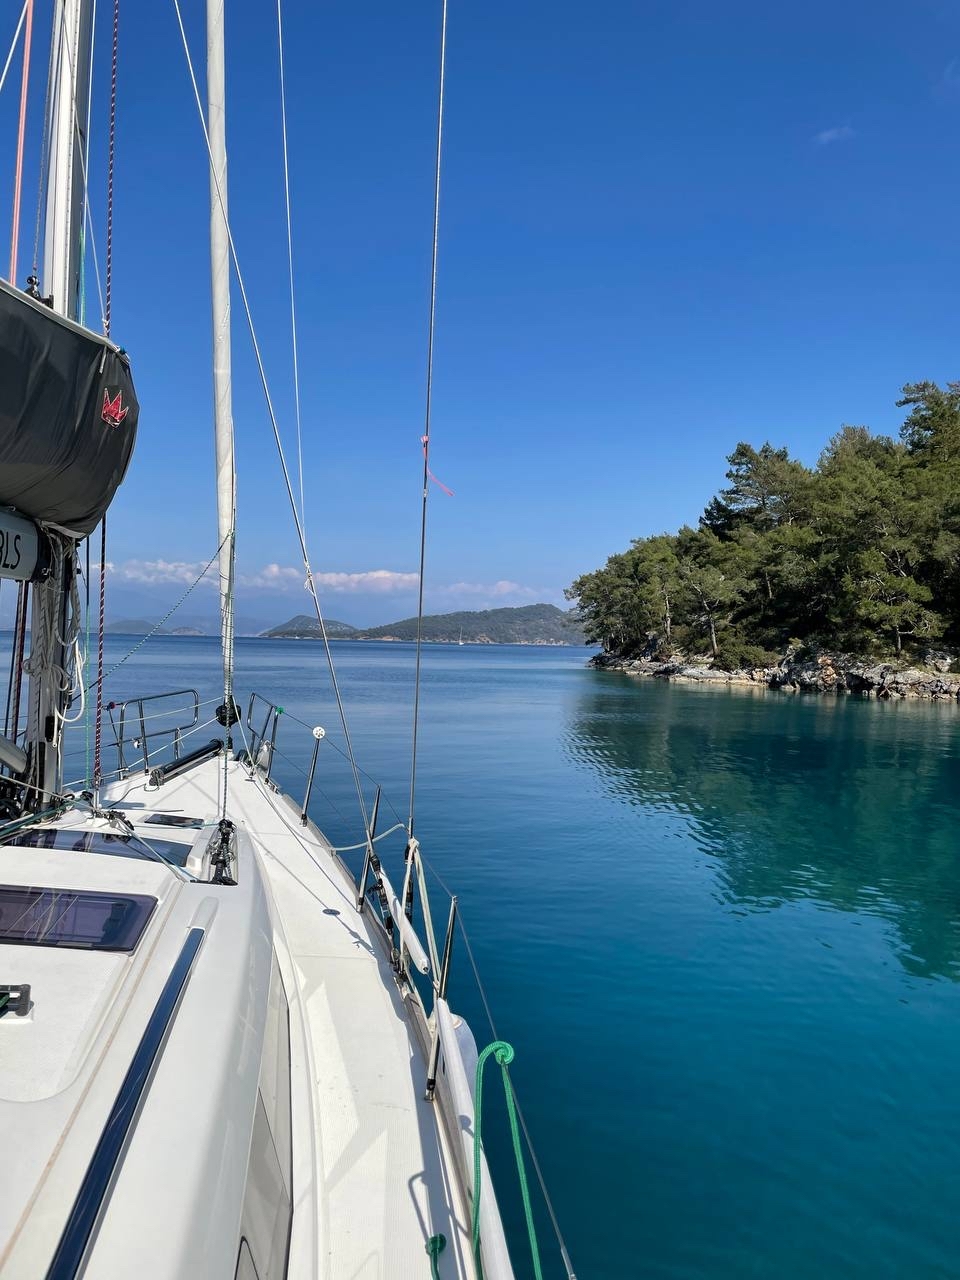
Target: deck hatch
pixel 172 820
pixel 118 845
pixel 42 917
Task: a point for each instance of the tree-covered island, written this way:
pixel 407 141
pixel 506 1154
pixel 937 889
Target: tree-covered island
pixel 860 554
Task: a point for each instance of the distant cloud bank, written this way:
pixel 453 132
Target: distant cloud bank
pixel 288 580
pixel 493 590
pixel 152 573
pixel 374 581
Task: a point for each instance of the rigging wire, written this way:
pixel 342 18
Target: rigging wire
pixel 86 611
pixel 21 139
pixel 111 165
pixel 98 715
pixel 481 989
pixel 13 43
pixel 88 224
pixel 226 474
pixel 44 156
pixel 45 147
pixel 108 306
pixel 564 1254
pixel 83 154
pixel 107 312
pixel 427 413
pixel 86 170
pixel 293 304
pixel 301 537
pixel 163 621
pixel 297 516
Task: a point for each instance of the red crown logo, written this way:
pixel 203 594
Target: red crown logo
pixel 112 412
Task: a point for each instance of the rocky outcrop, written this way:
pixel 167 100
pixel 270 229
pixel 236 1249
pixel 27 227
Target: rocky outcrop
pixel 820 673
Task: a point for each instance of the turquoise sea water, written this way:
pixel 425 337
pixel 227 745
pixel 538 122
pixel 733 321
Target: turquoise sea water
pixel 722 931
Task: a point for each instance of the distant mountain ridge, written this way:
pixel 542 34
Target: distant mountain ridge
pixel 246 626
pixel 527 624
pixel 134 627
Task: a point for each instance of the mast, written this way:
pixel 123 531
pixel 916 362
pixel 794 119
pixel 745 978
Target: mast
pixel 69 92
pixel 220 290
pixel 69 95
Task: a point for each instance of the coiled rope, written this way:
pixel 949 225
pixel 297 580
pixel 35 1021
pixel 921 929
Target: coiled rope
pixel 435 1246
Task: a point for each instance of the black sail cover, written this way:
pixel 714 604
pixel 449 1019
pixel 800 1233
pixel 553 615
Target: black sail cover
pixel 68 416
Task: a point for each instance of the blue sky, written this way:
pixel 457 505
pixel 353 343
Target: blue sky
pixel 665 227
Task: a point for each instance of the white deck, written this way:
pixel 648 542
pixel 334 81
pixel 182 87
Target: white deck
pixel 372 1168
pixel 379 1150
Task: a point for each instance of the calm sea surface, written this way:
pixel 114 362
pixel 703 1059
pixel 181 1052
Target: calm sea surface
pixel 721 930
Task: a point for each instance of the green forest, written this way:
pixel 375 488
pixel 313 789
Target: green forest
pixel 860 553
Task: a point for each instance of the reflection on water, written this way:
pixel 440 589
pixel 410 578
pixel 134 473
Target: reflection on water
pixel 852 804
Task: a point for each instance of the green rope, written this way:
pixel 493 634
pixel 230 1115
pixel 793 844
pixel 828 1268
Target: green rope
pixel 4 1001
pixel 435 1246
pixel 504 1055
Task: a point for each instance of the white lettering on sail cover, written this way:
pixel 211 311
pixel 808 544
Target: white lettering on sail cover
pixel 19 547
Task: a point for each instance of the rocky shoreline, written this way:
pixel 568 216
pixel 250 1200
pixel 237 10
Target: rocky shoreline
pixel 820 673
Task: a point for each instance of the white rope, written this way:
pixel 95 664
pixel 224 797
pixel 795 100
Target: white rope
pixel 293 304
pixel 88 221
pixel 351 848
pixel 46 639
pixel 301 537
pixel 13 45
pixel 204 724
pixel 77 687
pixel 163 715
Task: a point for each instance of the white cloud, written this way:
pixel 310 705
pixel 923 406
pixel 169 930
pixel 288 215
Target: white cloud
pixel 160 572
pixel 272 577
pixel 840 133
pixel 375 581
pixel 287 579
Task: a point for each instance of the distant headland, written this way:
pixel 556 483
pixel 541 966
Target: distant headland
pixel 537 624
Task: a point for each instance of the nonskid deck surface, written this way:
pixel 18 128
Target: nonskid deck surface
pixel 368 1146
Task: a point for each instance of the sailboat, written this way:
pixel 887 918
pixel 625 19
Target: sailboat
pixel 221 1054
